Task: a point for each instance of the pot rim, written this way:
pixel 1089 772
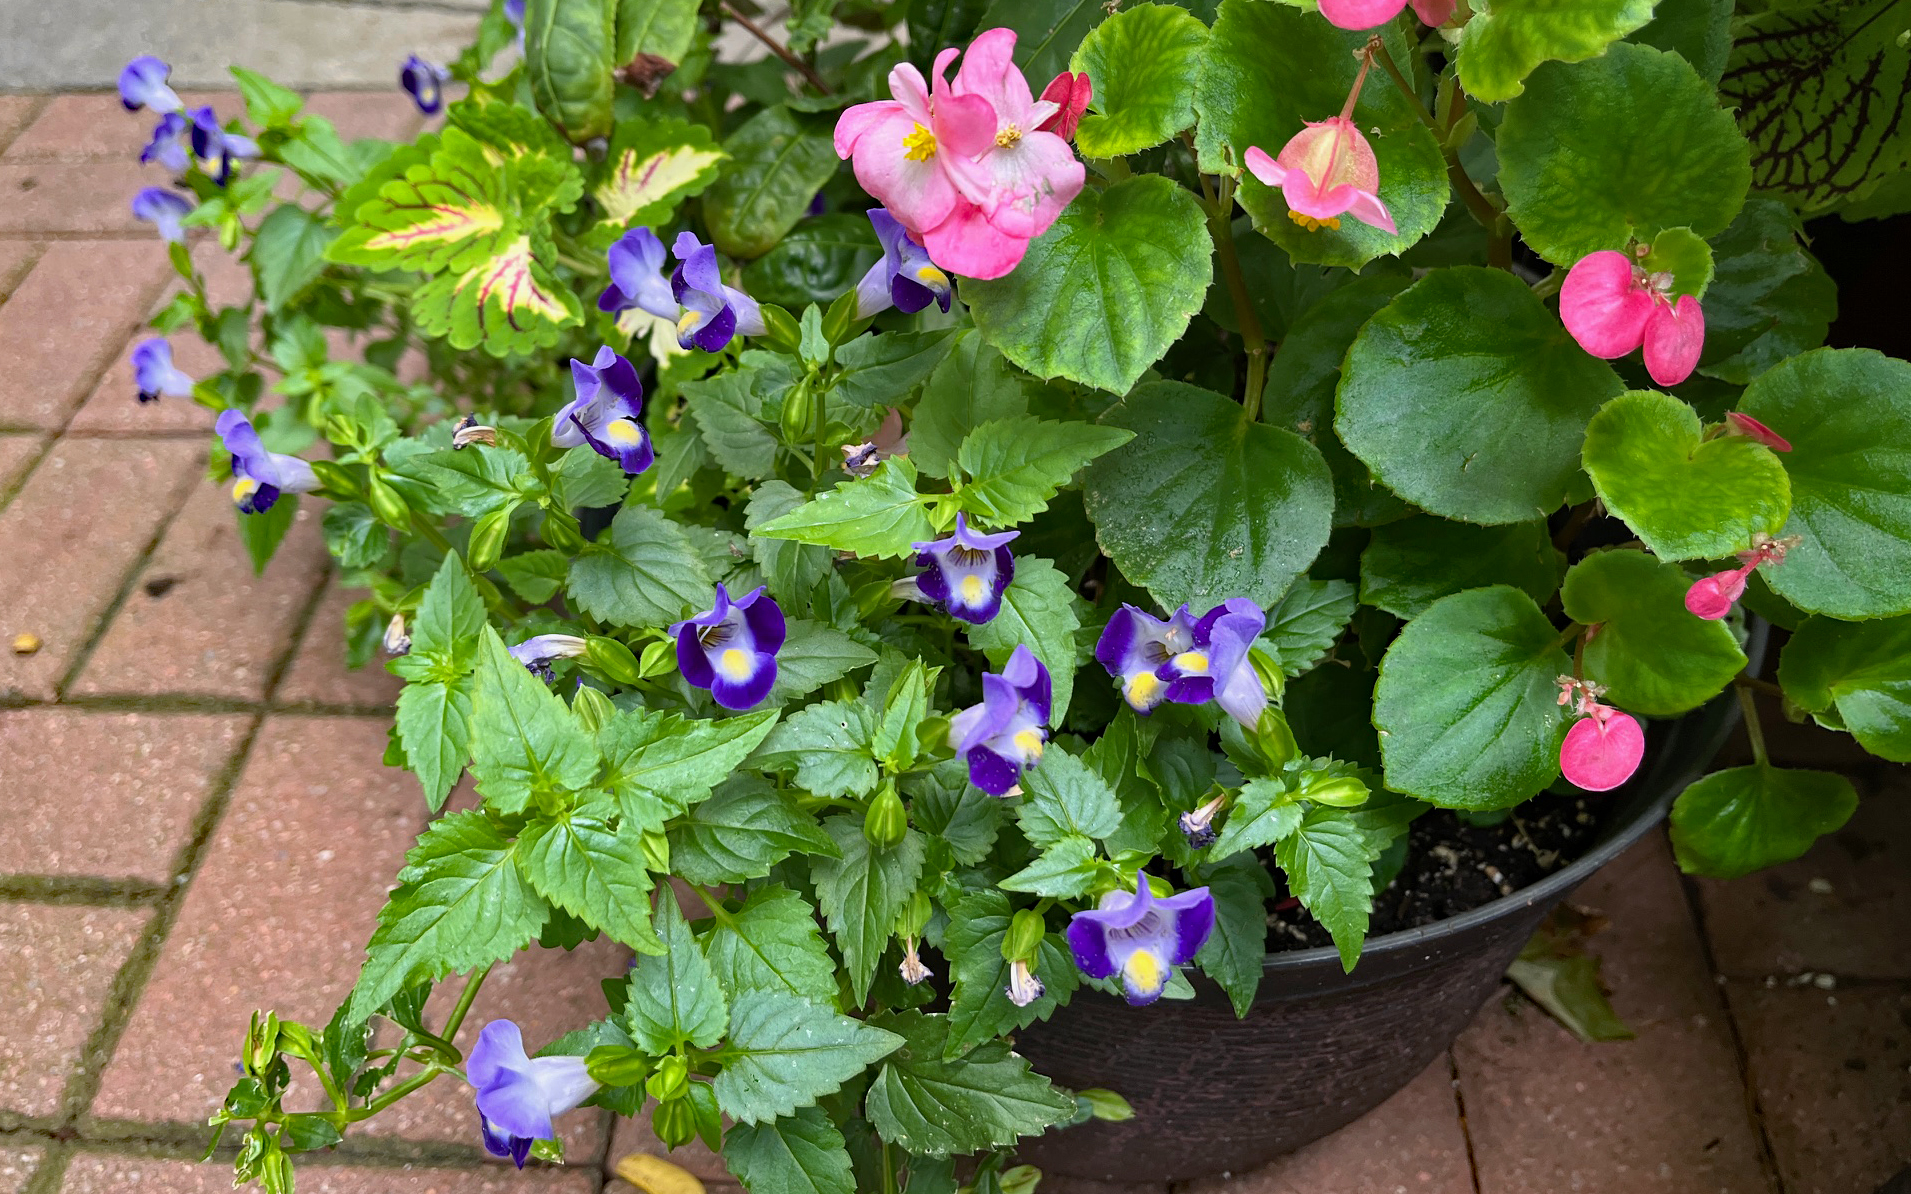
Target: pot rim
pixel 1683 753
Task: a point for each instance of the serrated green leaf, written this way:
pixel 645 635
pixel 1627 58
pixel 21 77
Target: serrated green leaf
pixel 1326 860
pixel 355 538
pixel 263 532
pixel 674 997
pixel 1743 819
pixel 1263 813
pixel 1652 655
pixel 1410 564
pixel 594 872
pixel 1307 622
pixel 820 258
pixel 450 617
pixel 1063 871
pixel 1142 63
pixel 510 303
pixel 288 253
pixel 772 943
pixel 460 903
pixel 973 385
pixel 926 1102
pixel 814 655
pixel 1038 611
pixel 1502 47
pixel 1467 704
pixel 1063 798
pixel 582 480
pixel 525 741
pixel 881 370
pixel 727 410
pixel 1012 467
pixel 1234 952
pixel 861 891
pixel 800 1154
pixel 434 727
pixel 1103 293
pixel 675 760
pixel 1862 672
pixel 742 831
pixel 979 1005
pixel 828 746
pixel 1206 504
pixel 880 515
pixel 652 166
pixel 644 572
pixel 784 1052
pixel 535 576
pixel 474 481
pixel 946 806
pixel 791 569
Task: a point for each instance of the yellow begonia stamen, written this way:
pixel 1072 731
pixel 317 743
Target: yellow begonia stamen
pixel 1008 137
pixel 919 145
pixel 1312 224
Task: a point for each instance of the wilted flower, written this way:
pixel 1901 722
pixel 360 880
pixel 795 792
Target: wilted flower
pixel 518 1095
pixel 536 653
pixel 707 312
pixel 259 476
pixel 912 970
pixel 1366 14
pixel 397 641
pixel 966 573
pixel 860 460
pixel 1604 747
pixel 1024 988
pixel 1197 825
pixel 904 278
pixel 1713 597
pixel 1071 93
pixel 1140 937
pixel 1005 734
pixel 142 84
pixel 164 210
pixel 604 413
pixel 1218 666
pixel 1737 423
pixel 154 373
pixel 425 81
pixel 1611 305
pixel 169 143
pixel 1136 645
pixel 469 431
pixel 1327 170
pixel 731 648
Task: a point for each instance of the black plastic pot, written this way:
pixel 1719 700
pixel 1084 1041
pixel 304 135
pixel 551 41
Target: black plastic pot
pixel 1319 1048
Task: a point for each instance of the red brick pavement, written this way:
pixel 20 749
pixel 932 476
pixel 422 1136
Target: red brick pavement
pixel 199 825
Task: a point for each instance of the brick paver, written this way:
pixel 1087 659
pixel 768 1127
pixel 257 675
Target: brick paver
pixel 389 115
pixel 15 255
pixel 91 198
pixel 16 453
pixel 143 778
pixel 68 319
pixel 56 966
pixel 277 917
pixel 16 111
pixel 197 620
pixel 77 128
pixel 1665 1112
pixel 633 1135
pixel 16 1166
pixel 84 516
pixel 107 1174
pixel 318 675
pixel 1833 1074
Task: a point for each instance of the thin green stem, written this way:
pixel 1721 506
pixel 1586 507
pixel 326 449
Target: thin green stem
pixel 455 1021
pixel 1499 248
pixel 1573 630
pixel 1754 684
pixel 432 533
pixel 1376 49
pixel 418 1080
pixel 776 47
pixel 1221 227
pixel 1754 732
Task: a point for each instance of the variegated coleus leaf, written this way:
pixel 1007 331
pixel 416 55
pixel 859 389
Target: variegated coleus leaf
pixel 653 166
pixel 509 302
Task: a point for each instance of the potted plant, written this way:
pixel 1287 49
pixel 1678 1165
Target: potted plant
pixel 913 539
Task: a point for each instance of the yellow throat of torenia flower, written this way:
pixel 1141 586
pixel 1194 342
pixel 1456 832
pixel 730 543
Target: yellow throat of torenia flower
pixel 1029 742
pixel 919 145
pixel 1143 971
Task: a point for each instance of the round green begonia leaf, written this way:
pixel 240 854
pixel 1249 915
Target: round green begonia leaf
pixel 1106 290
pixel 1501 45
pixel 1467 702
pixel 1863 670
pixel 1687 498
pixel 1847 413
pixel 1143 63
pixel 1598 153
pixel 1269 69
pixel 1744 819
pixel 1204 504
pixel 1466 397
pixel 1410 564
pixel 1652 655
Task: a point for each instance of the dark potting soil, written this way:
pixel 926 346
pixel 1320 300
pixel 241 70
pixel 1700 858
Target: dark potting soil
pixel 1454 867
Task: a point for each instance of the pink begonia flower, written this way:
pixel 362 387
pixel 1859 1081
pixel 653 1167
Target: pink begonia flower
pixel 1604 747
pixel 1071 94
pixel 1365 14
pixel 1713 597
pixel 904 149
pixel 1029 176
pixel 1746 425
pixel 1611 305
pixel 1327 170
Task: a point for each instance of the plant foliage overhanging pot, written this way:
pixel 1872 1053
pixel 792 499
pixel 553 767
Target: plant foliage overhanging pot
pixel 1320 1047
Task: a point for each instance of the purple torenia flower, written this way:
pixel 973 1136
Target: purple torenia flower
pixel 731 648
pixel 707 313
pixel 259 476
pixel 604 413
pixel 967 572
pixel 1004 734
pixel 142 84
pixel 426 81
pixel 518 1095
pixel 169 142
pixel 536 653
pixel 1141 937
pixel 1217 666
pixel 905 277
pixel 215 149
pixel 155 374
pixel 164 210
pixel 1135 646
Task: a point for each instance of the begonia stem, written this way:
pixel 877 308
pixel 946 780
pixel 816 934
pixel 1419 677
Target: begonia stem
pixel 1221 227
pixel 1499 252
pixel 1754 732
pixel 1754 684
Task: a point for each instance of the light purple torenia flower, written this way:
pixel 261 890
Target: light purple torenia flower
pixel 169 143
pixel 518 1095
pixel 536 653
pixel 905 278
pixel 731 648
pixel 966 573
pixel 164 210
pixel 637 277
pixel 1217 667
pixel 1135 646
pixel 514 13
pixel 155 374
pixel 604 413
pixel 259 476
pixel 215 149
pixel 1141 937
pixel 1005 733
pixel 426 81
pixel 707 313
pixel 142 84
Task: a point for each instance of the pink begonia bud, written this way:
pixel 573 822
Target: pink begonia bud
pixel 1602 750
pixel 1712 597
pixel 1071 94
pixel 1746 425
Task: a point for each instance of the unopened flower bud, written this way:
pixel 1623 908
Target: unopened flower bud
pixel 592 708
pixel 611 658
pixel 669 1079
pixel 656 850
pixel 1746 425
pixel 674 1122
pixel 486 545
pixel 1336 792
pixel 887 822
pixel 1024 937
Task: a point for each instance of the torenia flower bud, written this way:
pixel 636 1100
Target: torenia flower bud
pixel 887 822
pixel 669 1080
pixel 1338 792
pixel 656 851
pixel 674 1122
pixel 592 708
pixel 1024 937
